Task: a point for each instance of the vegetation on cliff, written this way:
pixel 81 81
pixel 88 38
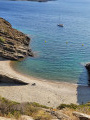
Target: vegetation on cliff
pixel 11 109
pixel 84 108
pixel 15 110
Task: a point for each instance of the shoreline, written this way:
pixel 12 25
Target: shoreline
pixel 41 79
pixel 44 92
pixel 46 80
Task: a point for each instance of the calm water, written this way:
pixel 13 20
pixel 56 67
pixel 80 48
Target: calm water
pixel 62 57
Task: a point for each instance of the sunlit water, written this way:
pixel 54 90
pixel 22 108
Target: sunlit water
pixel 61 53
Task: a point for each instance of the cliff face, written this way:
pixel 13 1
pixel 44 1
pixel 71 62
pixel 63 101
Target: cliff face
pixel 88 70
pixel 13 43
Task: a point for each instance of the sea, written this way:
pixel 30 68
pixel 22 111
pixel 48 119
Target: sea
pixel 60 52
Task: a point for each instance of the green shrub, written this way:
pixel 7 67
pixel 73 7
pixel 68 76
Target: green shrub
pixel 84 108
pixel 2 39
pixel 38 105
pixel 6 101
pixel 15 110
pixel 72 106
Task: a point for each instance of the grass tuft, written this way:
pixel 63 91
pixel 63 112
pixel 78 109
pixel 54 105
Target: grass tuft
pixel 72 106
pixel 2 39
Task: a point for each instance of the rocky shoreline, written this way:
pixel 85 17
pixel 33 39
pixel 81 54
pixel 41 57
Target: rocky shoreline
pixel 88 70
pixel 11 80
pixel 14 44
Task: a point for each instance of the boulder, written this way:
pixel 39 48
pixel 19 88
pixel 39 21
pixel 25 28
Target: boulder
pixel 81 116
pixel 60 115
pixel 9 79
pixel 88 69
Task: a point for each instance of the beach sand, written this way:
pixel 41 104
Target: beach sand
pixel 44 92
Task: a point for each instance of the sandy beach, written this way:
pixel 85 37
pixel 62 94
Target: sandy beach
pixel 44 92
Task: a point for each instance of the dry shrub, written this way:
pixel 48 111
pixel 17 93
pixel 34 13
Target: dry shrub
pixel 42 115
pixel 15 110
pixel 68 111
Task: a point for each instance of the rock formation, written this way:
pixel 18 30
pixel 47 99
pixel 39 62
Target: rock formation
pixel 11 80
pixel 13 43
pixel 61 116
pixel 58 115
pixel 88 69
pixel 81 116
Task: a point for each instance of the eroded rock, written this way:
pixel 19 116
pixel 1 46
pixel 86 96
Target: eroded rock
pixel 88 70
pixel 13 43
pixel 8 79
pixel 60 115
pixel 88 67
pixel 81 116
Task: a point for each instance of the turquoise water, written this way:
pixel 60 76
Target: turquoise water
pixel 62 57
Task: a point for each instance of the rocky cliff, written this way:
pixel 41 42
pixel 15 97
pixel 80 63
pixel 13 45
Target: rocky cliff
pixel 88 70
pixel 14 45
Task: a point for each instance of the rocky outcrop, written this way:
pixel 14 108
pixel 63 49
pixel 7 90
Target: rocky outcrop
pixel 81 116
pixel 14 45
pixel 88 69
pixel 58 115
pixel 8 79
pixel 61 116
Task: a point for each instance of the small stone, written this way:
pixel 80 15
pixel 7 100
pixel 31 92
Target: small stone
pixel 48 101
pixel 33 84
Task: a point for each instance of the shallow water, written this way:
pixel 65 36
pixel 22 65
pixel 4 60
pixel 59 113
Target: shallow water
pixel 61 53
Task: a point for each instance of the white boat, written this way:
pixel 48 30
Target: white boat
pixel 60 25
